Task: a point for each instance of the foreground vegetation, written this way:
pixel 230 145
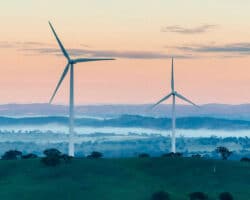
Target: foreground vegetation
pixel 123 179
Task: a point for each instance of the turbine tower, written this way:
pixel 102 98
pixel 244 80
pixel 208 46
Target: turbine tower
pixel 174 94
pixel 70 66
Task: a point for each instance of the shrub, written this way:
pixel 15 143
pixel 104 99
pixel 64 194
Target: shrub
pixel 198 196
pixel 245 159
pixel 161 195
pixel 172 155
pixel 12 155
pixel 196 156
pixel 143 155
pixel 51 160
pixel 66 158
pixel 52 152
pixel 95 154
pixel 225 196
pixel 167 155
pixel 224 152
pixel 29 156
pixel 178 154
pixel 52 157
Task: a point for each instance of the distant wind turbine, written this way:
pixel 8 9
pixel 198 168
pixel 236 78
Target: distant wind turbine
pixel 70 66
pixel 174 94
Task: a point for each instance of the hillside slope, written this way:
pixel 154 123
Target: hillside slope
pixel 123 179
pixel 133 121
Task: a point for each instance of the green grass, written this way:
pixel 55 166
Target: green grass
pixel 122 179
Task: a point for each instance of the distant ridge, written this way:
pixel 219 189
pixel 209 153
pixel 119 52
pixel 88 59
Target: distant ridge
pixel 134 121
pixel 241 111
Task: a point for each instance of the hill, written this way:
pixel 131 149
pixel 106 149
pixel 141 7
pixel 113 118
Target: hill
pixel 123 179
pixel 134 121
pixel 241 111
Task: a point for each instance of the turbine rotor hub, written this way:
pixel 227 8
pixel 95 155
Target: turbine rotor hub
pixel 71 62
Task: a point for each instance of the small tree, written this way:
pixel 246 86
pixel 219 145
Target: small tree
pixel 178 154
pixel 196 156
pixel 29 156
pixel 224 152
pixel 198 196
pixel 245 159
pixel 95 154
pixel 143 155
pixel 161 195
pixel 52 152
pixel 12 155
pixel 66 158
pixel 225 196
pixel 172 155
pixel 52 157
pixel 168 155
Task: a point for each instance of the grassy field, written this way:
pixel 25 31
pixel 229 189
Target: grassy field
pixel 122 179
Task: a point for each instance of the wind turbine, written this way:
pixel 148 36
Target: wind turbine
pixel 174 94
pixel 70 66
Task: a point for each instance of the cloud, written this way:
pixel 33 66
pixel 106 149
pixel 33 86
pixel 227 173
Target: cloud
pixel 183 30
pixel 240 48
pixel 5 45
pixel 20 45
pixel 108 53
pixel 38 48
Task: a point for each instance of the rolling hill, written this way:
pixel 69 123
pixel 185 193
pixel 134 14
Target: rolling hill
pixel 123 179
pixel 134 121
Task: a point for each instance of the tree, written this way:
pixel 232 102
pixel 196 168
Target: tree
pixel 224 152
pixel 178 154
pixel 52 152
pixel 225 196
pixel 168 155
pixel 196 156
pixel 245 159
pixel 198 196
pixel 95 154
pixel 143 155
pixel 12 155
pixel 66 158
pixel 29 156
pixel 161 195
pixel 172 155
pixel 52 157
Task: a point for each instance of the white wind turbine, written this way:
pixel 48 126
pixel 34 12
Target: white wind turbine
pixel 70 66
pixel 174 94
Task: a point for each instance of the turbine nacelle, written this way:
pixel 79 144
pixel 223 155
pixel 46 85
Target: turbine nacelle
pixel 174 93
pixel 72 61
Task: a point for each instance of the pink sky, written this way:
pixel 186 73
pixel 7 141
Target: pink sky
pixel 210 40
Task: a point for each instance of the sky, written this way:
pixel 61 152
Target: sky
pixel 209 39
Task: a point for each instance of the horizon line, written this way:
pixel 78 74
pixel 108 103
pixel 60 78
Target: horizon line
pixel 123 104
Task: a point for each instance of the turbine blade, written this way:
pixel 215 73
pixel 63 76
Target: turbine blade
pixel 60 81
pixel 78 60
pixel 163 99
pixel 59 42
pixel 185 99
pixel 172 75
